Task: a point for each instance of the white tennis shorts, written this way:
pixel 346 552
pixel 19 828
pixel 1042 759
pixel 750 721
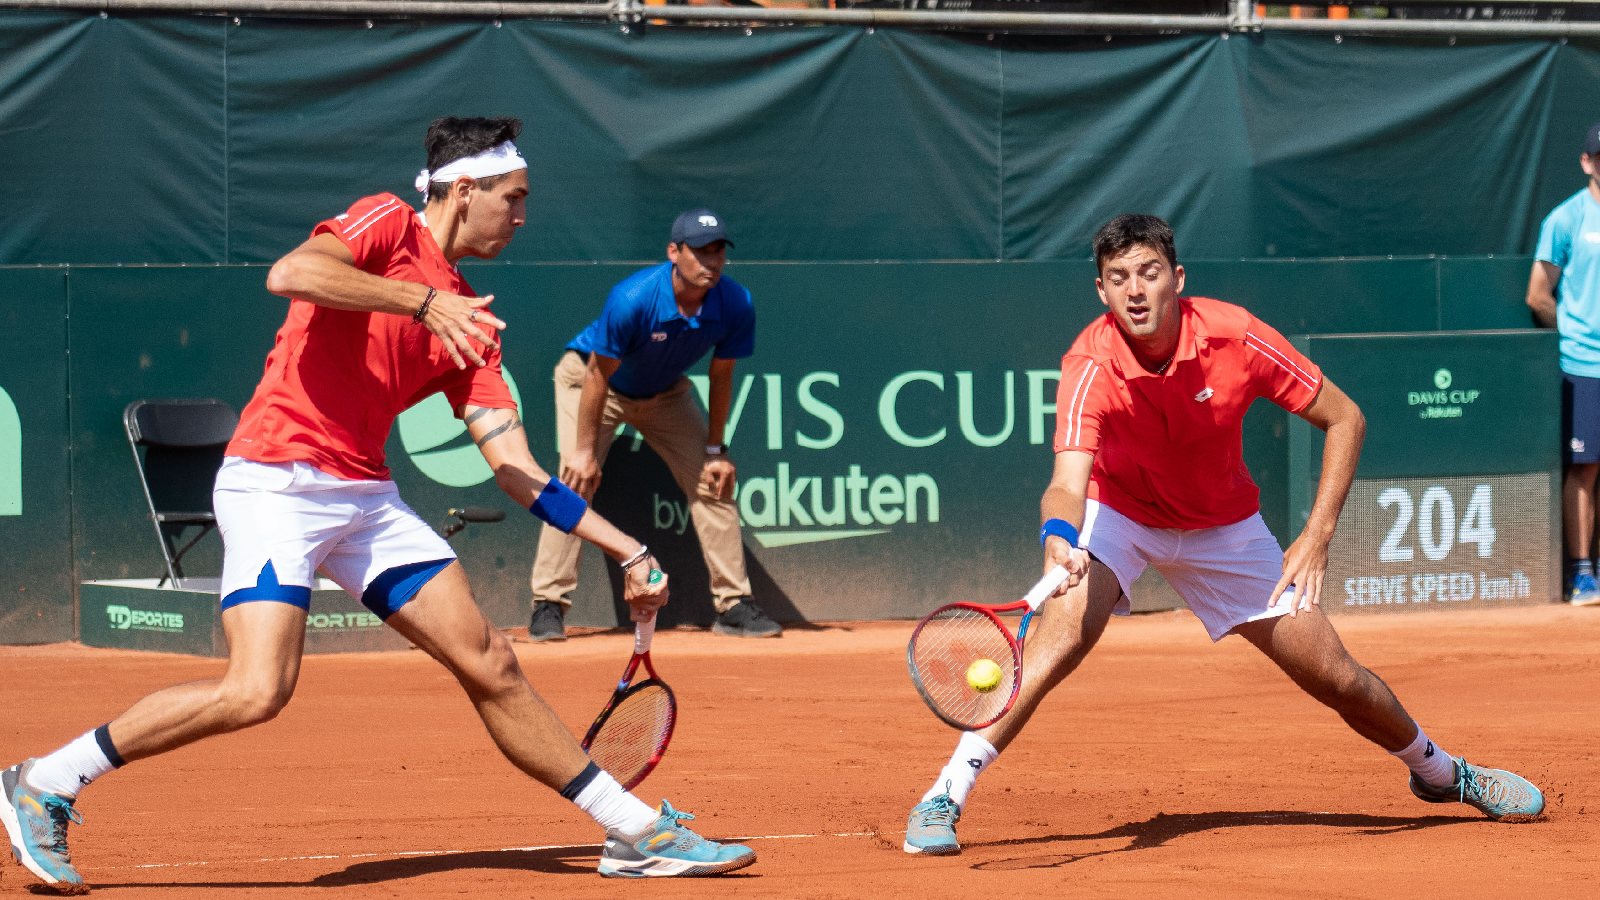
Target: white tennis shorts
pixel 1226 574
pixel 280 522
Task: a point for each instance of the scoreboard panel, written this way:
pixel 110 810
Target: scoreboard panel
pixel 1457 497
pixel 1450 540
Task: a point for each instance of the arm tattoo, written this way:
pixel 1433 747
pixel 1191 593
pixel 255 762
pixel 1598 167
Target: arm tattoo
pixel 477 414
pixel 513 424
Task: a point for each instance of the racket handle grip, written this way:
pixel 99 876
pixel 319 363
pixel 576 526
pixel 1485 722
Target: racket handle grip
pixel 643 632
pixel 644 629
pixel 1046 586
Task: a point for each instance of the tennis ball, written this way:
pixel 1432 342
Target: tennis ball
pixel 983 675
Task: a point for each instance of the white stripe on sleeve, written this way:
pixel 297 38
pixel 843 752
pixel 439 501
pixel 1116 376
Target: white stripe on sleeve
pixel 1080 396
pixel 372 218
pixel 1273 353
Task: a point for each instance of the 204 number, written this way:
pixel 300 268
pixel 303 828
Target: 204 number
pixel 1438 530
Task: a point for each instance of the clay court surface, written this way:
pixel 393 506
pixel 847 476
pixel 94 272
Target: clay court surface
pixel 1167 767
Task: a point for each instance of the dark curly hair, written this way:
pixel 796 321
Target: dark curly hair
pixel 1133 230
pixel 452 137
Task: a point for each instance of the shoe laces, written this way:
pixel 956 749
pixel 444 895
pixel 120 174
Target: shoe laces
pixel 671 818
pixel 61 813
pixel 940 810
pixel 1482 786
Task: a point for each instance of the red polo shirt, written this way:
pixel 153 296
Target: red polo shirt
pixel 336 379
pixel 1169 448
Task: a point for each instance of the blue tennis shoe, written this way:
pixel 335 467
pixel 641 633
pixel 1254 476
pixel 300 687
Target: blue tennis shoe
pixel 36 823
pixel 1496 793
pixel 1585 590
pixel 670 849
pixel 932 827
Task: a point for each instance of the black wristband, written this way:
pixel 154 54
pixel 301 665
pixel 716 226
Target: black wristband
pixel 423 309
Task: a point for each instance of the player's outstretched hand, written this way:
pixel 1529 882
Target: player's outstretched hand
pixel 644 587
pixel 462 323
pixel 1057 552
pixel 1305 564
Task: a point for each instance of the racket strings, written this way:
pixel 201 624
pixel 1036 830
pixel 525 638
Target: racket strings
pixel 630 740
pixel 945 646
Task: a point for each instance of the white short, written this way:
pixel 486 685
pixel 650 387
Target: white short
pixel 1226 574
pixel 280 522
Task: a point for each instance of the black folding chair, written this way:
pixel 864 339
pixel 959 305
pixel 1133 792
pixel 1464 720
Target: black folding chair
pixel 177 449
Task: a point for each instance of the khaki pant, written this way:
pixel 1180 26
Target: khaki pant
pixel 675 429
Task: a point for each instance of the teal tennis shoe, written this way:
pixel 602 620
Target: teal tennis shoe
pixel 932 827
pixel 669 849
pixel 1496 793
pixel 36 823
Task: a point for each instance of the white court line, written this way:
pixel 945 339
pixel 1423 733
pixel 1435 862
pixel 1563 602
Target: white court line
pixel 412 853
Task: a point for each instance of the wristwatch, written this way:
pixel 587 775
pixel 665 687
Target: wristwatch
pixel 716 449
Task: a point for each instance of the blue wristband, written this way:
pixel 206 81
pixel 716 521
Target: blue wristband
pixel 1061 528
pixel 559 505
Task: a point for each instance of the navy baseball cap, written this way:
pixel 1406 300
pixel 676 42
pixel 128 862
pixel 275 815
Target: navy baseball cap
pixel 698 227
pixel 1591 140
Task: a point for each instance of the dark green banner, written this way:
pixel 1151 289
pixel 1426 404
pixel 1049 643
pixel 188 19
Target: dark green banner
pixel 36 579
pixel 206 139
pixel 892 428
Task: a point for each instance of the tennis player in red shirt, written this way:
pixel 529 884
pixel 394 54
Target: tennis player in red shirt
pixel 1149 471
pixel 379 319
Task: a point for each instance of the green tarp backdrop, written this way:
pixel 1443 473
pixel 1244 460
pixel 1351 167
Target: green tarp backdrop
pixel 912 212
pixel 206 139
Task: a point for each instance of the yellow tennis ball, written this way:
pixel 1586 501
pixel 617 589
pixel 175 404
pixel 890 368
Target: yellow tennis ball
pixel 984 675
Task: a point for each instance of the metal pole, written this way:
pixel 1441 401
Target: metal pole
pixel 466 9
pixel 1434 27
pixel 1240 17
pixel 1092 23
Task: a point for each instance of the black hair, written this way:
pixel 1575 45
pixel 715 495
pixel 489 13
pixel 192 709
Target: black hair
pixel 452 137
pixel 1130 230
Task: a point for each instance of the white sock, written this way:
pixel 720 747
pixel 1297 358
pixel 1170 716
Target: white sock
pixel 72 768
pixel 607 803
pixel 1429 763
pixel 959 775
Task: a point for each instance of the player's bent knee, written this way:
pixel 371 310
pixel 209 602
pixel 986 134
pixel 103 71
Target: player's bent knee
pixel 243 706
pixel 495 670
pixel 501 659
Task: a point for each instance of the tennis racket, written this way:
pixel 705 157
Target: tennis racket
pixel 949 640
pixel 631 734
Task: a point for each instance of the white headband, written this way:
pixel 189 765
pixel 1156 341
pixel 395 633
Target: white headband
pixel 493 161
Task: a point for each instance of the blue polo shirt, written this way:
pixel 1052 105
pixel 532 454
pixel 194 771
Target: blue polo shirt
pixel 1570 240
pixel 640 326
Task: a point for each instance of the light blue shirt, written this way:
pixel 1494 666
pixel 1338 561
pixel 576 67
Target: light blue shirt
pixel 1570 240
